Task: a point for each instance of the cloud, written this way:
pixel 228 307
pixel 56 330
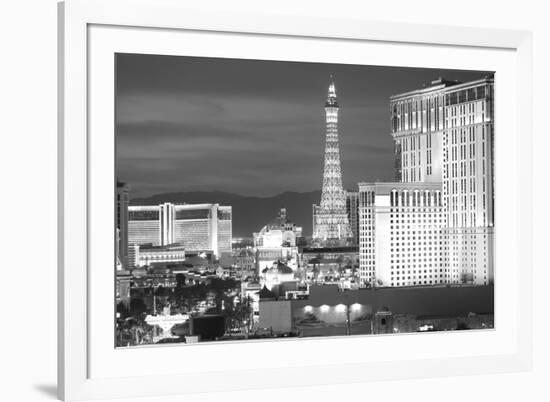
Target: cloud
pixel 250 127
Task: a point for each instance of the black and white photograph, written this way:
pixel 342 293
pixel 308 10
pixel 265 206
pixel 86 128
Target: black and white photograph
pixel 260 199
pixel 275 200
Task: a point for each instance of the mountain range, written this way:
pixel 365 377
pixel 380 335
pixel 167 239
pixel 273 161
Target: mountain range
pixel 250 213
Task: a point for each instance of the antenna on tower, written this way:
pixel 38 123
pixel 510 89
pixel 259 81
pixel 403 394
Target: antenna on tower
pixel 331 87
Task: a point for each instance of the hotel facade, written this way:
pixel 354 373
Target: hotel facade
pixel 443 136
pixel 148 255
pixel 198 227
pixel 401 234
pixel 352 208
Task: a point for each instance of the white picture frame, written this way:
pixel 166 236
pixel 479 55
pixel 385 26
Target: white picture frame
pixel 80 378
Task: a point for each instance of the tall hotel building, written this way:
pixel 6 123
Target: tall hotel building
pixel 199 227
pixel 122 200
pixel 443 136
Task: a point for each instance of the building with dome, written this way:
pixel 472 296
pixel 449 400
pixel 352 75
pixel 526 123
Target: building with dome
pixel 279 232
pixel 277 241
pixel 277 276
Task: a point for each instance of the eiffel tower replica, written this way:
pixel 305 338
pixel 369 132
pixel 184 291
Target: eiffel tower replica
pixel 331 226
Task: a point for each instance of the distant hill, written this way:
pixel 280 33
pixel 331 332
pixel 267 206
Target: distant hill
pixel 250 214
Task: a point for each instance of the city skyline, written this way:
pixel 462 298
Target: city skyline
pixel 173 113
pixel 411 251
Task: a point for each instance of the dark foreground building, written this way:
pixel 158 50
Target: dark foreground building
pixel 329 311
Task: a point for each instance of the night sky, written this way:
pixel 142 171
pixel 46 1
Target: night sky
pixel 252 127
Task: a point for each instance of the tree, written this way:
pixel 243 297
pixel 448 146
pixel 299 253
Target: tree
pixel 219 288
pixel 137 307
pixel 462 326
pixel 466 277
pixel 161 291
pixel 354 269
pixel 239 315
pixel 187 297
pixel 315 272
pixel 134 331
pixel 122 310
pixel 180 280
pixel 340 262
pixel 309 318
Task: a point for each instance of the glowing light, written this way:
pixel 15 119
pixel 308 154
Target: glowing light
pixel 324 308
pixel 308 309
pixel 340 308
pixel 426 327
pixel 355 307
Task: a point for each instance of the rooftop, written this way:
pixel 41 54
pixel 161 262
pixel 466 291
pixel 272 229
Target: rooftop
pixel 440 84
pixel 265 293
pixel 325 250
pixel 149 246
pixel 280 267
pixel 195 261
pixel 387 187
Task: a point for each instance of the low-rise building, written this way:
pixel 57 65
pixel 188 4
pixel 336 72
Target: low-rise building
pixel 244 261
pixel 149 255
pixel 330 311
pixel 250 293
pixel 324 265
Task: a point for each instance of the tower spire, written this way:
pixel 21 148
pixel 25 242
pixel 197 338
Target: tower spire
pixel 331 96
pixel 332 87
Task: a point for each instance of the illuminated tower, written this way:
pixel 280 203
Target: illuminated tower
pixel 331 224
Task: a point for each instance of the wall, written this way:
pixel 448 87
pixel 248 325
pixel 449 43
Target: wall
pixel 328 305
pixel 28 166
pixel 275 315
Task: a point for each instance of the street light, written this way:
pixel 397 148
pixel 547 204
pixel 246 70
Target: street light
pixel 341 308
pixel 348 319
